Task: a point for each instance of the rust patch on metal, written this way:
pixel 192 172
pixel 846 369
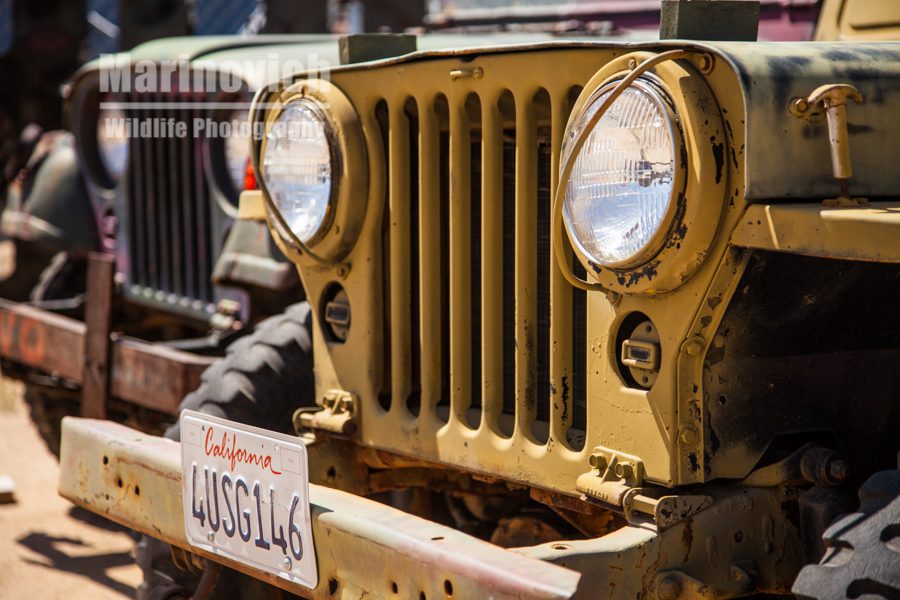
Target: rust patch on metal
pixel 687 538
pixel 718 151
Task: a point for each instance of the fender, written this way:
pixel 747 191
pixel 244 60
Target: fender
pixel 50 207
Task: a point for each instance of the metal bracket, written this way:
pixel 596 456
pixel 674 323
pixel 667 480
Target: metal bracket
pixel 95 377
pixel 336 415
pixel 832 98
pixel 252 206
pixel 674 584
pixel 613 476
pixel 808 464
pixel 617 478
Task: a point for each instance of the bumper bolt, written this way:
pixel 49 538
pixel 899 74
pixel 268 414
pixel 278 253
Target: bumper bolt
pixel 210 536
pixel 286 563
pixel 838 470
pixel 692 346
pixel 598 461
pixel 688 436
pixel 669 589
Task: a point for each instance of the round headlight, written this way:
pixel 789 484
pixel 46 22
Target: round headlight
pixel 237 149
pixel 297 167
pixel 619 199
pixel 112 141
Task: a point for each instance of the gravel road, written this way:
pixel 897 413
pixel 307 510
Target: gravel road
pixel 48 548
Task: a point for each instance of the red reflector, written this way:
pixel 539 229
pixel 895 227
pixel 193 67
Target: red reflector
pixel 249 177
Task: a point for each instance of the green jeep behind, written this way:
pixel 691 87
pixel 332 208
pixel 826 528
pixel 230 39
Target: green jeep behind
pixel 589 319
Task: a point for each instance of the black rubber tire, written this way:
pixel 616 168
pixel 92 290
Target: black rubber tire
pixel 862 559
pixel 263 378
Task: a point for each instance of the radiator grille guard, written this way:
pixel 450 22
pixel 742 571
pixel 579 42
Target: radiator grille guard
pixel 475 348
pixel 172 222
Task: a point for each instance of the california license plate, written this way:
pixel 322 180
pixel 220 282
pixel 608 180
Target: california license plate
pixel 246 496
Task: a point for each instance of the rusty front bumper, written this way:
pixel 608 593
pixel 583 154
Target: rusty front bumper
pixel 363 548
pixel 743 543
pixel 145 374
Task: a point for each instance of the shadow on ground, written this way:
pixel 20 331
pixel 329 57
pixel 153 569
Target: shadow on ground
pixel 92 566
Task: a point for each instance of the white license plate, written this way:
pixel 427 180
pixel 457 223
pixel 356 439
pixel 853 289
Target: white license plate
pixel 246 496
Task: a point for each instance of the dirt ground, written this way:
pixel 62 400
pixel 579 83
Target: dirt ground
pixel 48 548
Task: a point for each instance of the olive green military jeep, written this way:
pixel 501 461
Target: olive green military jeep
pixel 148 180
pixel 590 319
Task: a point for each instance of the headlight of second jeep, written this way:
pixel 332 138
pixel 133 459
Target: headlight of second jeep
pixel 112 142
pixel 297 167
pixel 619 202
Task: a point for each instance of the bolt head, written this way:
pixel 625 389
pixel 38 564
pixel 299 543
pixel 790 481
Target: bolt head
pixel 286 563
pixel 669 589
pixel 210 537
pixel 693 346
pixel 688 436
pixel 598 461
pixel 623 470
pixel 838 470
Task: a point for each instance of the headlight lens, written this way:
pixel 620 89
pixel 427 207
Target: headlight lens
pixel 237 148
pixel 297 167
pixel 112 141
pixel 620 191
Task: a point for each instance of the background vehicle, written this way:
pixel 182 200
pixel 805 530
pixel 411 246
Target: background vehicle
pixel 162 207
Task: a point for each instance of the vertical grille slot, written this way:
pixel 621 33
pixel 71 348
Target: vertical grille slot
pixel 575 433
pixel 414 400
pixel 136 223
pixel 492 267
pixel 188 208
pixel 431 291
pixel 399 242
pixel 525 258
pixel 385 398
pixel 175 202
pixel 508 110
pixel 163 198
pixel 148 209
pixel 578 372
pixel 542 166
pixel 443 110
pixel 460 262
pixel 542 242
pixel 202 244
pixel 473 110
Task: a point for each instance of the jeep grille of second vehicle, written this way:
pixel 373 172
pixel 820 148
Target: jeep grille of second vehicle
pixel 168 206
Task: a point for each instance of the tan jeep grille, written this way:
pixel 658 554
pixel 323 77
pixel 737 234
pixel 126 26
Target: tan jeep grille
pixel 480 358
pixel 469 277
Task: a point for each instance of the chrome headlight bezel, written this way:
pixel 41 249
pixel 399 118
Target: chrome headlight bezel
pixel 650 89
pixel 703 154
pixel 349 190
